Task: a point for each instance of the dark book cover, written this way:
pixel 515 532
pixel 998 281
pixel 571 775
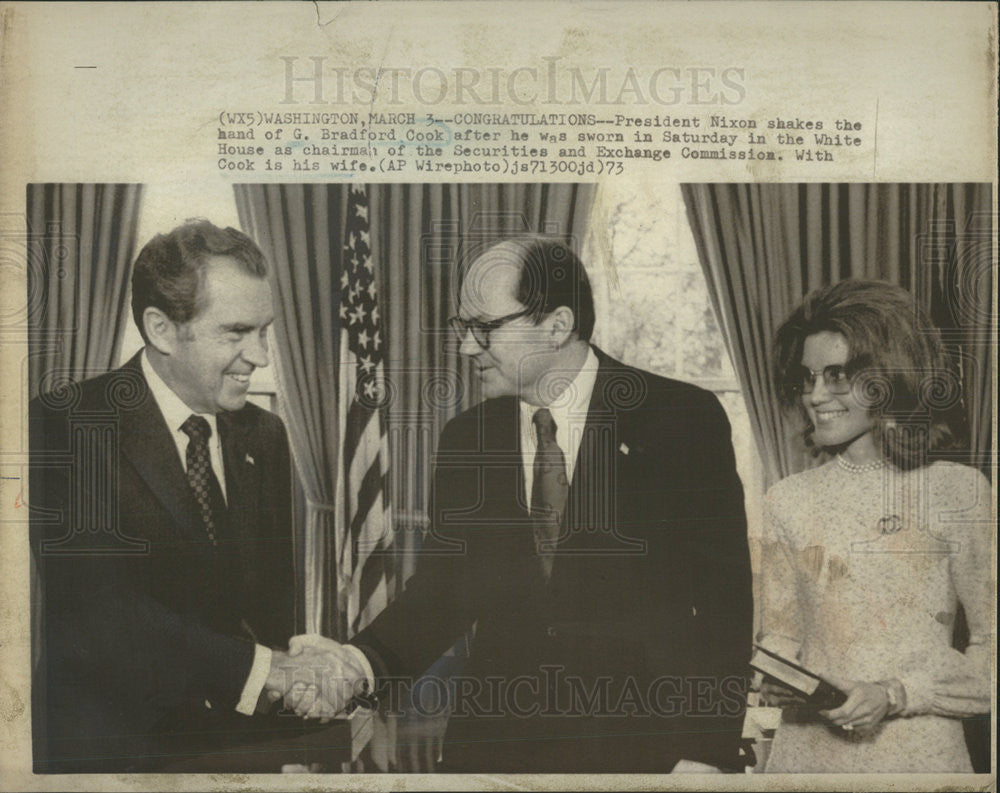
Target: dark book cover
pixel 816 691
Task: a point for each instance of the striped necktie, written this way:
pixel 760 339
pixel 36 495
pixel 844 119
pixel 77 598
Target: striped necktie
pixel 549 488
pixel 201 477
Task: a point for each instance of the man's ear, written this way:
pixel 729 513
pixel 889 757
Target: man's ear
pixel 160 330
pixel 562 325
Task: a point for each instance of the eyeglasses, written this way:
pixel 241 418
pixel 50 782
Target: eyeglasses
pixel 836 379
pixel 481 330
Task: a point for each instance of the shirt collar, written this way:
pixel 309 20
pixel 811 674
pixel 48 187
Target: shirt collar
pixel 570 408
pixel 171 406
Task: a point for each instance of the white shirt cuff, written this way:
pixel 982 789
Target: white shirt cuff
pixel 255 681
pixel 365 664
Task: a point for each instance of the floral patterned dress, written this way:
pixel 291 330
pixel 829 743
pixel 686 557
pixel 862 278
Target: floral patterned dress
pixel 861 575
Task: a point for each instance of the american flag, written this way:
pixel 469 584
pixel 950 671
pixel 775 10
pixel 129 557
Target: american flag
pixel 363 520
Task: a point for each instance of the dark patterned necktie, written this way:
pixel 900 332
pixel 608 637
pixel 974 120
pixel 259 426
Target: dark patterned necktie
pixel 549 488
pixel 201 477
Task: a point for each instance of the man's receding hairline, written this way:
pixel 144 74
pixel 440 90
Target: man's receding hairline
pixel 515 286
pixel 216 260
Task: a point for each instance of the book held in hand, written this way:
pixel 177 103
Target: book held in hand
pixel 816 691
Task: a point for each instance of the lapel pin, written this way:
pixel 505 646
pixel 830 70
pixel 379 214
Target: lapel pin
pixel 249 459
pixel 623 448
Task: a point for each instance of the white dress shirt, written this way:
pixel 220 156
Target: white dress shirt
pixel 176 412
pixel 569 412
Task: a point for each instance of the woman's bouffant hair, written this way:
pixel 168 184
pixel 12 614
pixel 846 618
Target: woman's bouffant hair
pixel 897 364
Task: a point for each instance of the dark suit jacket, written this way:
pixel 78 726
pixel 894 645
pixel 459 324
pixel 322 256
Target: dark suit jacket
pixel 143 621
pixel 634 655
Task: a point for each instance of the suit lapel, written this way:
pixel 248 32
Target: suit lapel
pixel 145 441
pixel 590 520
pixel 502 443
pixel 588 500
pixel 242 490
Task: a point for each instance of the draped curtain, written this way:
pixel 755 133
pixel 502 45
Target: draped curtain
pixel 81 243
pixel 299 228
pixel 763 247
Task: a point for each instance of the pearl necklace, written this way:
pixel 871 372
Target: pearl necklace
pixel 859 469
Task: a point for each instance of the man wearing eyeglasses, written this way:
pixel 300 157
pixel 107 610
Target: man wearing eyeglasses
pixel 588 520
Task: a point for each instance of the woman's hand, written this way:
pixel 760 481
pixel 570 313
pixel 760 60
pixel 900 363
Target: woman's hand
pixel 776 695
pixel 867 704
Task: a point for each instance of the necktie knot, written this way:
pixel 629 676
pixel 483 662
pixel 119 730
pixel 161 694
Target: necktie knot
pixel 545 426
pixel 197 428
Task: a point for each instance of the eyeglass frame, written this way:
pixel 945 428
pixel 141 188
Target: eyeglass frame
pixel 802 385
pixel 462 326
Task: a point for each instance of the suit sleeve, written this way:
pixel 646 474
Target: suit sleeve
pixel 434 610
pixel 712 528
pixel 275 611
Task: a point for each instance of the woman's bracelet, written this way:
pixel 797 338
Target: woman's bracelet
pixel 889 686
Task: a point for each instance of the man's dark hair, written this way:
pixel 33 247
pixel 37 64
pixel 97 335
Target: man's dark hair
pixel 896 359
pixel 170 270
pixel 552 275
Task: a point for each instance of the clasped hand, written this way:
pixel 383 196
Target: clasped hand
pixel 316 678
pixel 867 703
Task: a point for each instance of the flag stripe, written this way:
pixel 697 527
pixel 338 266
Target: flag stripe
pixel 373 590
pixel 362 441
pixel 367 522
pixel 367 454
pixel 364 520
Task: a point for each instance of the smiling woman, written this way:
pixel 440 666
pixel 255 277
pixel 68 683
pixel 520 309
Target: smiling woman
pixel 838 418
pixel 897 377
pixel 862 573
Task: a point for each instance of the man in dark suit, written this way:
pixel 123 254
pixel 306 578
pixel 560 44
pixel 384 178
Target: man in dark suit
pixel 588 520
pixel 161 525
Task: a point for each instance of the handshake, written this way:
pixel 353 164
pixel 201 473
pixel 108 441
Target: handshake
pixel 317 677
